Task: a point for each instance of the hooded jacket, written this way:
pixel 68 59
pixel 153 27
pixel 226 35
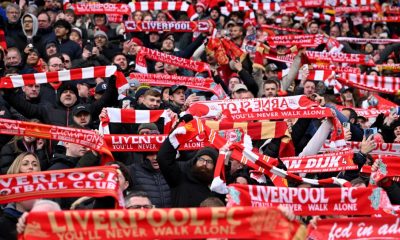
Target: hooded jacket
pixel 186 190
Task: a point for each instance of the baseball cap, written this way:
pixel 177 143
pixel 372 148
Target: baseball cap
pixel 80 108
pixel 176 87
pixel 271 67
pixel 238 87
pixel 101 88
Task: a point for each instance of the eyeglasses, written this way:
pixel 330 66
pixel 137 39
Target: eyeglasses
pixel 57 65
pixel 141 207
pixel 207 161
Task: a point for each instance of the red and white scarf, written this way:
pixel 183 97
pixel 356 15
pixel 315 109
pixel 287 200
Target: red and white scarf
pixel 158 5
pixel 389 85
pixel 205 84
pixel 313 201
pixel 391 149
pixel 144 53
pixel 132 116
pixel 328 162
pixel 76 182
pixel 67 75
pixel 268 27
pixel 344 10
pixel 168 26
pixel 337 69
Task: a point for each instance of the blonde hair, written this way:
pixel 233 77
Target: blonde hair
pixel 16 165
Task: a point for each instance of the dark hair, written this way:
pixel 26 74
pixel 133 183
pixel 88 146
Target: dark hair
pixel 136 194
pixel 44 12
pixel 212 202
pixel 270 81
pixel 353 113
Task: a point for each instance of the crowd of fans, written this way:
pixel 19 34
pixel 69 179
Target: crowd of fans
pixel 42 36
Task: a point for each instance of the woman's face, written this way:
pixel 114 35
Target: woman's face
pixel 397 131
pixel 29 139
pixel 29 164
pixel 32 58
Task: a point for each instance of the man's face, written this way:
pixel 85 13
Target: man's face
pixel 55 64
pixel 67 61
pixel 238 94
pixel 232 82
pixel 28 23
pixel 214 14
pixel 154 37
pixel 121 61
pixel 100 41
pixel 153 160
pixel 68 98
pixel 69 17
pixel 270 90
pixel 178 97
pixel 75 150
pixel 99 20
pixel 152 102
pixel 170 68
pixel 235 32
pixel 31 91
pixel 51 50
pixel 12 15
pixel 334 32
pixel 13 58
pixel 285 21
pixel 139 203
pixel 60 31
pixel 82 119
pixel 309 88
pixel 44 21
pixel 83 90
pixel 203 170
pixel 270 74
pixel 168 45
pixel 314 28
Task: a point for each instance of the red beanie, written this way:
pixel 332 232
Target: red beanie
pixel 137 41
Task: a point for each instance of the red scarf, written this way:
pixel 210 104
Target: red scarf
pixel 391 67
pixel 169 26
pixel 144 53
pixel 313 201
pixel 268 27
pixel 382 19
pixel 356 228
pixel 367 40
pixel 100 8
pixel 87 138
pixel 205 84
pixel 158 223
pixel 304 40
pixel 76 182
pixel 380 149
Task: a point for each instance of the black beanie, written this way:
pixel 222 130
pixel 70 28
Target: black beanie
pixel 209 151
pixel 68 86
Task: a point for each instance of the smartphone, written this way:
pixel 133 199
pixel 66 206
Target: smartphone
pixel 395 110
pixel 370 131
pixel 346 125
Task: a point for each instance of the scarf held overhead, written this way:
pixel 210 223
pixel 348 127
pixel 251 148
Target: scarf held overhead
pixel 173 223
pixel 77 182
pixel 86 138
pixel 169 26
pixel 205 84
pixel 313 201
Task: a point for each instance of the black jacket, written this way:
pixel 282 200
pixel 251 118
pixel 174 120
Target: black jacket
pixel 59 114
pixel 8 223
pixel 11 150
pixel 186 190
pixel 61 161
pixel 151 181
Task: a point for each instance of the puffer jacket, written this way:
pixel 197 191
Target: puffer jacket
pixel 151 181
